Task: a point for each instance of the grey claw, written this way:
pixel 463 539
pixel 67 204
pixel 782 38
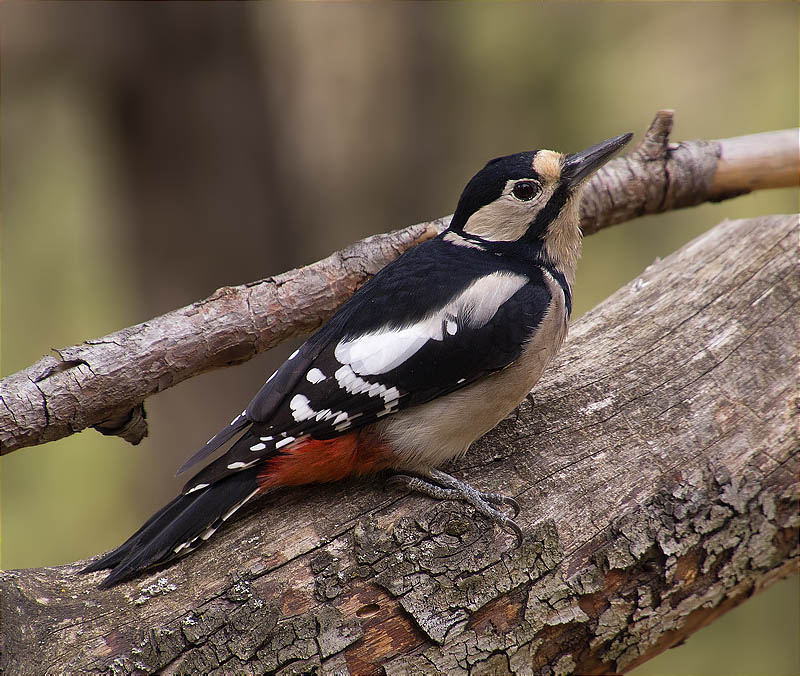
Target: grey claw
pixel 398 480
pixel 514 505
pixel 500 499
pixel 503 521
pixel 512 525
pixel 450 488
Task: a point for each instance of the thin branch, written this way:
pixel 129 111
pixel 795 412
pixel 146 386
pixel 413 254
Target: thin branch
pixel 657 472
pixel 102 383
pixel 757 161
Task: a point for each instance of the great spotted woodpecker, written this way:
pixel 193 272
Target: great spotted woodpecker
pixel 426 357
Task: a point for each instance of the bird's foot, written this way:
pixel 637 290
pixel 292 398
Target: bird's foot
pixel 441 486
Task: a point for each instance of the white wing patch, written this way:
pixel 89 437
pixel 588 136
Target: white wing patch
pixel 385 349
pixel 242 465
pixel 301 409
pixel 352 384
pixel 483 298
pixel 379 352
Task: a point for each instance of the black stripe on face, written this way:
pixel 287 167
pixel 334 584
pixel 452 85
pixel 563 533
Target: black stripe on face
pixel 549 212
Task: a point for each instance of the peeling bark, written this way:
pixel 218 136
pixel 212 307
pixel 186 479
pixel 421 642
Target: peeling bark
pixel 656 465
pixel 102 383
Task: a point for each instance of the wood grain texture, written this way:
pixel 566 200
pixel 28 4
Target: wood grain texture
pixel 656 464
pixel 103 383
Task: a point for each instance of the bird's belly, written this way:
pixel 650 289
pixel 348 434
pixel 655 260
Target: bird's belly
pixel 433 433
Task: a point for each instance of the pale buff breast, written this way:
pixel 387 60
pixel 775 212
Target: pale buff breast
pixel 431 434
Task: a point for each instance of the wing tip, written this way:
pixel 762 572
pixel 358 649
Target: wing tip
pixel 236 425
pixel 183 520
pixel 94 566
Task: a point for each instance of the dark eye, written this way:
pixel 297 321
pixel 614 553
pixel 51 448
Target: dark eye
pixel 525 190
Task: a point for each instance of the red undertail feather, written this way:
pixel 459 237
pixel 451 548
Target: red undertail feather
pixel 193 517
pixel 323 460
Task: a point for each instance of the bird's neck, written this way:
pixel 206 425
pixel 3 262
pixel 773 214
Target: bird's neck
pixel 561 243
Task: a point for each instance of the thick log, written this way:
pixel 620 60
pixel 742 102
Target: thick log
pixel 656 465
pixel 103 383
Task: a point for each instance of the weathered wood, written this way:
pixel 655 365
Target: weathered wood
pixel 102 383
pixel 657 470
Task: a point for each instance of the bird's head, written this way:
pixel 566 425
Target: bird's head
pixel 532 198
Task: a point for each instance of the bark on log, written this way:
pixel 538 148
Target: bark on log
pixel 657 471
pixel 103 383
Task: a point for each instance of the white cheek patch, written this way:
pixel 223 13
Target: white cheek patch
pixel 504 220
pixel 385 349
pixel 507 218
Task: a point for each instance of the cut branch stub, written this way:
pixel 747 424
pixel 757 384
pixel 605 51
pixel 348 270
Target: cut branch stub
pixel 657 176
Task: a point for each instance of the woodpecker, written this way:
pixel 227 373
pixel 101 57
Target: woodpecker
pixel 426 357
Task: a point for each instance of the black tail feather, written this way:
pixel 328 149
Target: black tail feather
pixel 180 525
pixel 225 434
pixel 115 556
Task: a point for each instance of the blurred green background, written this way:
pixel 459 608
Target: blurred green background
pixel 155 152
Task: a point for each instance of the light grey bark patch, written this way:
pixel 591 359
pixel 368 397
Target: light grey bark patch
pixel 438 581
pixel 335 631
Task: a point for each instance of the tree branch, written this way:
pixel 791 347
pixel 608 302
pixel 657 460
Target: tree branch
pixel 102 383
pixel 657 472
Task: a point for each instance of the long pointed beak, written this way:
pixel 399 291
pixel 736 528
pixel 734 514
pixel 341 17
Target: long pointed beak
pixel 579 166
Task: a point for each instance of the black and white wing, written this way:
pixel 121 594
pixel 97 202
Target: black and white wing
pixel 366 363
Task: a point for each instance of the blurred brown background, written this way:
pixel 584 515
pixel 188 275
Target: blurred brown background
pixel 155 152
